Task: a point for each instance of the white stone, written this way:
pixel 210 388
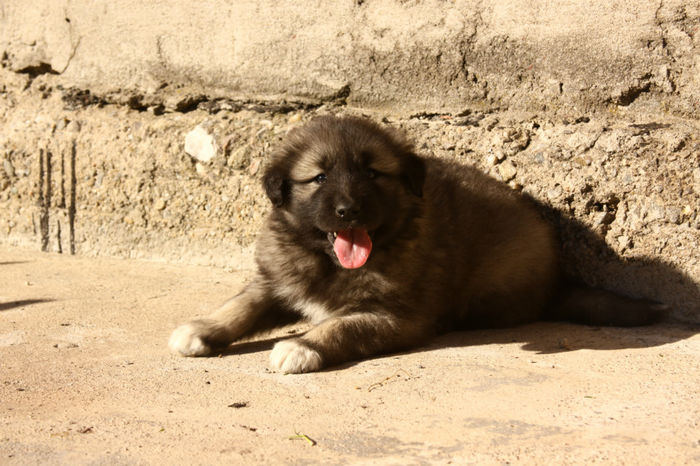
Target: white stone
pixel 200 145
pixel 200 169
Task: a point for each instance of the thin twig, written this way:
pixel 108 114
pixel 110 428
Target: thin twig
pixel 298 436
pixel 381 383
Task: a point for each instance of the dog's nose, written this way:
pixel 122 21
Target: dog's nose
pixel 347 210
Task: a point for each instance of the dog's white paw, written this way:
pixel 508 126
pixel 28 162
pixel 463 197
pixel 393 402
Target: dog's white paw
pixel 292 357
pixel 186 341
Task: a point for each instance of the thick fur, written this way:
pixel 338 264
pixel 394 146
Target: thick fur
pixel 452 248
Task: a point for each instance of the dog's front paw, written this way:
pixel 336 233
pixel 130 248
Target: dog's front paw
pixel 188 340
pixel 293 357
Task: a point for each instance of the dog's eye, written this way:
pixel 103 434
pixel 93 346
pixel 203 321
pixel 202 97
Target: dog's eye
pixel 320 178
pixel 372 174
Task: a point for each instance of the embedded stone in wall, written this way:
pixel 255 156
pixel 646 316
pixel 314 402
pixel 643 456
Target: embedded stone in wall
pixel 200 145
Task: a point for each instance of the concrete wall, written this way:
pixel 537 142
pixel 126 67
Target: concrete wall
pixel 408 57
pixel 591 107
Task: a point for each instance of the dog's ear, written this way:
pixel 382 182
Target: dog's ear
pixel 276 184
pixel 413 172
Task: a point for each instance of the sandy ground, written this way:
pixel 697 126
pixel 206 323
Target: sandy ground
pixel 86 378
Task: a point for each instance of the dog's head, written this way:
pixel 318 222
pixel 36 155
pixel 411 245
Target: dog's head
pixel 345 184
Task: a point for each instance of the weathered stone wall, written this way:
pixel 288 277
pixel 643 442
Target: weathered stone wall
pixel 408 57
pixel 590 107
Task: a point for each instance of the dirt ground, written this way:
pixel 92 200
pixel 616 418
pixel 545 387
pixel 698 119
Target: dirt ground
pixel 86 378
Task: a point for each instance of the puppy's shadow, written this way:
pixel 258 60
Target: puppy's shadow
pixel 255 346
pixel 586 257
pixel 556 337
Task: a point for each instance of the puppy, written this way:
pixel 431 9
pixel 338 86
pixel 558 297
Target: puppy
pixel 382 249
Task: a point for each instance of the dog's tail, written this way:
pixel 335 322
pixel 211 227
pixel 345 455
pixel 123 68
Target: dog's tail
pixel 593 306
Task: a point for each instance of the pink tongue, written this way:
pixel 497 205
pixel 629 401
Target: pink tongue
pixel 352 247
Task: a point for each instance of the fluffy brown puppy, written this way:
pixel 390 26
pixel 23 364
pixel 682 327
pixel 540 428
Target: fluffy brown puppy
pixel 381 249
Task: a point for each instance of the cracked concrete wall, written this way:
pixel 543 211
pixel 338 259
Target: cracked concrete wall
pixel 590 107
pixel 407 57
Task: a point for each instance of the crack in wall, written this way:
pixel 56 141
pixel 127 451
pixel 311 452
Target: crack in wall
pixel 74 43
pixel 74 51
pixel 46 197
pixel 71 206
pixel 76 98
pixel 58 236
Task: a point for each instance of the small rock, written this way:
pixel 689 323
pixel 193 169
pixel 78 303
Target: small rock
pixel 9 168
pixel 99 178
pixel 238 404
pixel 507 170
pixel 675 141
pixel 240 158
pixel 200 145
pixel 555 193
pixel 655 212
pixel 490 122
pixel 296 118
pixel 135 217
pixel 74 126
pixel 254 167
pixel 491 160
pixel 200 169
pixel 157 109
pixel 183 102
pixel 61 124
pixel 610 141
pixel 673 214
pixel 635 217
pixel 581 141
pixel 502 137
pixel 229 143
pixel 554 87
pixel 159 204
pixel 582 161
pixel 623 241
pixel 627 176
pixel 510 141
pixel 64 345
pixel 602 218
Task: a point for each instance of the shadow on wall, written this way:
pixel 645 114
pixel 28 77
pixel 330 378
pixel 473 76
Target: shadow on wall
pixel 586 257
pixel 556 337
